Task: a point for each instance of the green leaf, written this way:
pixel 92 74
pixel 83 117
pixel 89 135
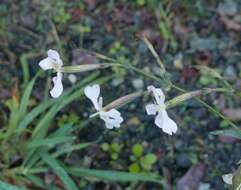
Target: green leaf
pixel 147 161
pixel 59 171
pixel 34 113
pixel 42 127
pixel 237 179
pixel 68 96
pixel 228 132
pixel 50 142
pixel 31 171
pixel 46 104
pixel 36 180
pixel 151 158
pixel 114 175
pixel 44 122
pixel 114 156
pixel 63 131
pixel 145 165
pixel 115 147
pixel 105 147
pixel 25 66
pixel 137 150
pixel 71 148
pixel 25 98
pixel 6 186
pixel 134 168
pixel 13 105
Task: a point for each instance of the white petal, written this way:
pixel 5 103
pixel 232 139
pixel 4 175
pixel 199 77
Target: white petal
pixel 109 125
pixel 159 120
pixel 93 92
pixel 100 102
pixel 58 86
pixel 165 122
pixel 112 118
pixel 54 55
pixel 46 63
pixel 228 178
pixel 158 94
pixel 151 109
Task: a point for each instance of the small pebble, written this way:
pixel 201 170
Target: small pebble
pixel 138 84
pixel 72 78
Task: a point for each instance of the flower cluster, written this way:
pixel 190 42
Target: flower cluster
pixel 111 117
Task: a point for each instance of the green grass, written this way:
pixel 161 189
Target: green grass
pixel 29 129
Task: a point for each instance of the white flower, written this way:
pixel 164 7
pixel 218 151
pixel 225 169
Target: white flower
pixel 162 119
pixel 112 117
pixel 228 178
pixel 53 61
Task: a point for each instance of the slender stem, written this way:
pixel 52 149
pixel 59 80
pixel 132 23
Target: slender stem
pixel 209 107
pixel 182 90
pixel 154 53
pixel 151 48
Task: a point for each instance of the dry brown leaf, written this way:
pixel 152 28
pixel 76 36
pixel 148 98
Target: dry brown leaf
pixel 234 114
pixel 230 24
pixel 192 178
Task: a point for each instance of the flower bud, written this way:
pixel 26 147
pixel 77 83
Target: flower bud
pixel 123 100
pixel 82 68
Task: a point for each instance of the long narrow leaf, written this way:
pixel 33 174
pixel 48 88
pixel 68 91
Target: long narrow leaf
pixel 26 96
pixel 6 186
pixel 49 142
pixel 114 175
pixel 68 149
pixel 37 181
pixel 43 125
pixel 62 131
pixel 44 105
pixel 228 132
pixel 33 114
pixel 59 171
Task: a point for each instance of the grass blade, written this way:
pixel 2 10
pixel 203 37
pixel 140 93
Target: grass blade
pixel 42 127
pixel 49 142
pixel 46 104
pixel 37 181
pixel 68 149
pixel 62 131
pixel 59 171
pixel 228 132
pixel 114 175
pixel 26 96
pixel 33 114
pixel 6 186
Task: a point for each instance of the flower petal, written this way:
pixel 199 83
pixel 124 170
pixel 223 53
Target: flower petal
pixel 228 178
pixel 159 120
pixel 46 64
pixel 54 55
pixel 158 94
pixel 58 86
pixel 93 92
pixel 151 109
pixel 163 121
pixel 112 118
